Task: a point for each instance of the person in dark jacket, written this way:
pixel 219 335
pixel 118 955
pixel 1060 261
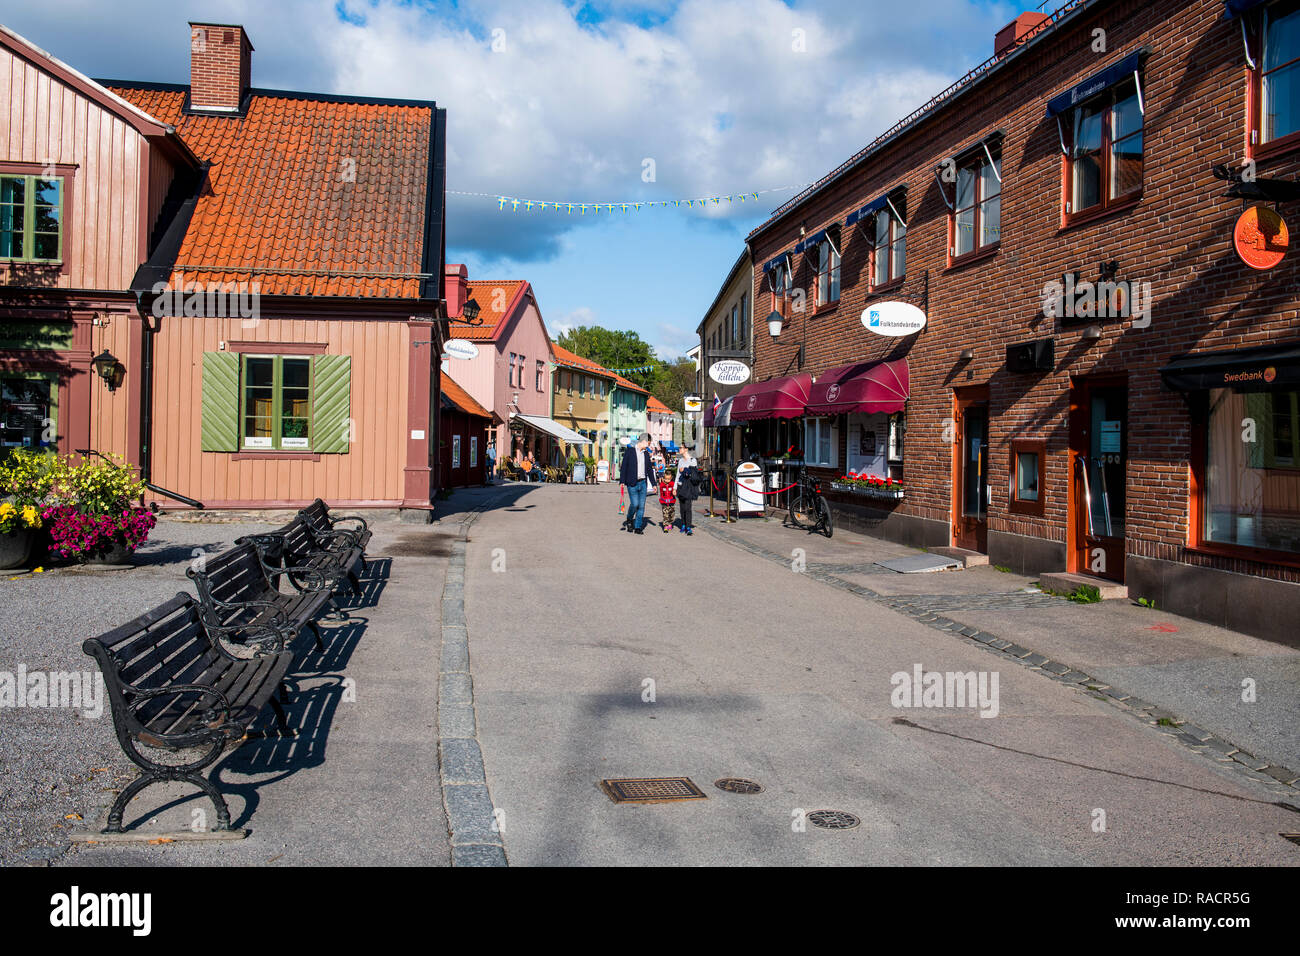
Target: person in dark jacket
pixel 688 489
pixel 636 473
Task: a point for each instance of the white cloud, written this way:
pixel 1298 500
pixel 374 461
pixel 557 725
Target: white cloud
pixel 712 90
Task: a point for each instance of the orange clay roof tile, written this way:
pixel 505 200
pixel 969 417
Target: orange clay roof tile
pixel 307 196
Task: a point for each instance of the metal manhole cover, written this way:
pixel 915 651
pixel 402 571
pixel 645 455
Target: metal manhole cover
pixel 833 819
pixel 738 785
pixel 652 790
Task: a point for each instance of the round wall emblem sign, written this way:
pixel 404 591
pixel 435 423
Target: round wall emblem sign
pixel 833 392
pixel 729 372
pixel 461 349
pixel 893 318
pixel 753 400
pixel 1270 373
pixel 1260 237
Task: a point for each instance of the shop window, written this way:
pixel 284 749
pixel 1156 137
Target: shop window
pixel 455 451
pixel 276 399
pixel 29 410
pixel 828 268
pixel 473 451
pixel 1250 487
pixel 889 256
pixel 1028 477
pixel 1105 158
pixel 31 219
pixel 977 209
pixel 541 370
pixel 821 442
pixel 1278 71
pixel 779 278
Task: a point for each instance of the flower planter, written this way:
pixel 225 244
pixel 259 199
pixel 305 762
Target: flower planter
pixel 867 491
pixel 15 549
pixel 119 553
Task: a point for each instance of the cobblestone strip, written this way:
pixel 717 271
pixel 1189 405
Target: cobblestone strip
pixel 1279 779
pixel 471 817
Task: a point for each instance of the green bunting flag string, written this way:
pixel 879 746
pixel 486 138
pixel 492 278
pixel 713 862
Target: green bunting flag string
pixel 540 205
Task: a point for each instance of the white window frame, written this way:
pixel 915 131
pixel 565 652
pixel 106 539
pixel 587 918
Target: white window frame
pixel 812 437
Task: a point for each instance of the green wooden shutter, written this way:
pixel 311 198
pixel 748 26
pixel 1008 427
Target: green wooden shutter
pixel 220 428
pixel 331 402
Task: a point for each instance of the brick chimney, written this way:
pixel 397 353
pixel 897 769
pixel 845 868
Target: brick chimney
pixel 455 277
pixel 1017 31
pixel 220 66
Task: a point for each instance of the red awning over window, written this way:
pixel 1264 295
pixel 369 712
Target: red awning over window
pixel 869 387
pixel 779 398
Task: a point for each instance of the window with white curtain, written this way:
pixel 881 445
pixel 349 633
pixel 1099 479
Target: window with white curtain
pixel 821 442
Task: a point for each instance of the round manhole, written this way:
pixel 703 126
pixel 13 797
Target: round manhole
pixel 738 785
pixel 833 819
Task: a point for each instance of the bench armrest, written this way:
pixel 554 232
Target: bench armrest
pixel 216 719
pixel 312 574
pixel 265 542
pixel 337 540
pixel 278 614
pixel 333 520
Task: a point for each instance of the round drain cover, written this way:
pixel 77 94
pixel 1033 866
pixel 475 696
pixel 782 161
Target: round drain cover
pixel 738 785
pixel 833 819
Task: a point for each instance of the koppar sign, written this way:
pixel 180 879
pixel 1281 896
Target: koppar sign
pixel 729 372
pixel 893 318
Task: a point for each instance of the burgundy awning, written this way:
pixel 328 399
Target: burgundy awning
pixel 778 398
pixel 869 387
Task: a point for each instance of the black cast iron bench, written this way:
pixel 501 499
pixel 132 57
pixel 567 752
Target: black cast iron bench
pixel 172 686
pixel 296 546
pixel 238 597
pixel 323 524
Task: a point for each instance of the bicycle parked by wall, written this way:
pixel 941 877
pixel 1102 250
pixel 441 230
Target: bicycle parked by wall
pixel 808 508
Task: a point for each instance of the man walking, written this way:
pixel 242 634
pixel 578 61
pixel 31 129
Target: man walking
pixel 635 474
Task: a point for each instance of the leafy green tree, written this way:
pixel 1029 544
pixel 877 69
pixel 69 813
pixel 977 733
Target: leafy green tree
pixel 673 381
pixel 612 349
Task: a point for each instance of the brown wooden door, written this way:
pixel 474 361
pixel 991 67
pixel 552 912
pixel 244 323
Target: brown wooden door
pixel 970 487
pixel 1098 477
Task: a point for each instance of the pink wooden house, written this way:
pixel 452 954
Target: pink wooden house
pixel 511 373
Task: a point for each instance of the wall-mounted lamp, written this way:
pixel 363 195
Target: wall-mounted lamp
pixel 470 310
pixel 108 368
pixel 1092 333
pixel 775 322
pixel 966 355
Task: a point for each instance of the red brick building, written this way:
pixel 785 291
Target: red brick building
pixel 1153 439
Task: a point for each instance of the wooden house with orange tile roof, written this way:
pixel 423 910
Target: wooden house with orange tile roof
pixel 260 272
pixel 504 362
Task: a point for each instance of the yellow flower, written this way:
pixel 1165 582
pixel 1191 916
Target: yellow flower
pixel 37 570
pixel 29 516
pixel 6 509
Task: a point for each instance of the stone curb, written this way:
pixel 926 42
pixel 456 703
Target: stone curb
pixel 1277 778
pixel 471 818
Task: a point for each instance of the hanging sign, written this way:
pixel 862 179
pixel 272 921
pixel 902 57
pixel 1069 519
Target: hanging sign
pixel 692 403
pixel 729 372
pixel 893 318
pixel 1260 237
pixel 461 349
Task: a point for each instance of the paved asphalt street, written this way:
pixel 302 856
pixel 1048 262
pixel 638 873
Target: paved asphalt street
pixel 767 674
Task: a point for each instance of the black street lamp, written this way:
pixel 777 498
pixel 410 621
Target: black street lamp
pixel 108 368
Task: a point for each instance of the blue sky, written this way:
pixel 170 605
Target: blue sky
pixel 557 100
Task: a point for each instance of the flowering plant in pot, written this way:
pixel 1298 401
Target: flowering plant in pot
pixel 873 485
pixel 90 514
pixel 24 480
